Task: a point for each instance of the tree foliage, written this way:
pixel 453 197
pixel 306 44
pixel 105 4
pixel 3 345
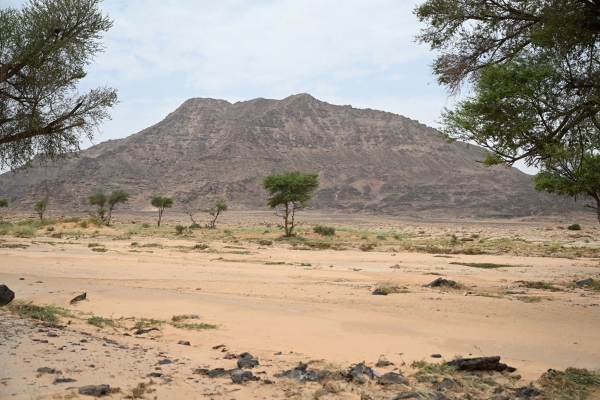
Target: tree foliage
pixel 545 57
pixel 292 191
pixel 161 203
pixel 215 210
pixel 571 174
pixel 3 203
pixel 40 207
pixel 106 204
pixel 44 49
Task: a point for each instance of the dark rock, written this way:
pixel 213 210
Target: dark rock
pixel 52 334
pixel 268 382
pixel 510 369
pixel 528 392
pixel 110 341
pixel 476 364
pixel 436 356
pixel 358 372
pixel 499 397
pixel 418 395
pixel 6 295
pixel 584 282
pixel 380 292
pixel 91 366
pixel 94 390
pixel 392 378
pixel 277 354
pixel 240 376
pixel 441 282
pixel 78 298
pixel 43 341
pixel 48 370
pixel 63 380
pixel 164 362
pixel 142 331
pixel 218 347
pixel 247 360
pixel 154 375
pixel 184 342
pixel 218 372
pixel 446 383
pixel 21 279
pixel 201 371
pixel 383 363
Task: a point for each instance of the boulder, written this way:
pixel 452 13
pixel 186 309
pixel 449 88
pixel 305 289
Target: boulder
pixel 240 376
pixel 247 360
pixel 476 364
pixel 392 378
pixel 94 390
pixel 79 298
pixel 584 282
pixel 6 295
pixel 439 282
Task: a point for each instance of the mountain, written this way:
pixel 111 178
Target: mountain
pixel 211 149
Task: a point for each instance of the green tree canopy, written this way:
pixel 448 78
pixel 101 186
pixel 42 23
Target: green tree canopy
pixel 106 204
pixel 215 210
pixel 40 207
pixel 161 203
pixel 292 191
pixel 3 203
pixel 44 49
pixel 572 174
pixel 544 55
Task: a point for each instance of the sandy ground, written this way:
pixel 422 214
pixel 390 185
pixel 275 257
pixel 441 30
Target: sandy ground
pixel 317 306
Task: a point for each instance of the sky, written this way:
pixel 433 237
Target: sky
pixel 160 53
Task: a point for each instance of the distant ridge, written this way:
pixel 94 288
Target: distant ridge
pixel 367 160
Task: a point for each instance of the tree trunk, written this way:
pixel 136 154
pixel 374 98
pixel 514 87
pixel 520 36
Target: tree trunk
pixel 159 216
pixel 598 208
pixel 287 214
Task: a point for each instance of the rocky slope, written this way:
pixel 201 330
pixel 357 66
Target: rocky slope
pixel 366 159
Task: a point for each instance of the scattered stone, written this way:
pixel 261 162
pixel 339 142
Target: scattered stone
pixel 247 360
pixel 184 342
pixel 218 372
pixel 301 374
pixel 527 392
pixel 441 282
pixel 142 331
pixel 218 346
pixel 418 395
pixel 21 279
pixel 479 364
pixel 239 376
pixel 584 282
pixel 78 298
pixel 358 372
pixel 278 353
pixel 110 341
pixel 52 334
pixel 436 356
pixel 383 363
pixel 6 295
pixel 63 380
pixel 43 341
pixel 392 378
pixel 94 390
pixel 268 382
pixel 91 366
pixel 154 375
pixel 164 362
pixel 48 370
pixel 446 383
pixel 397 266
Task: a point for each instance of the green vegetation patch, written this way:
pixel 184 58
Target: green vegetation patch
pixel 101 322
pixel 432 372
pixel 529 299
pixel 193 327
pixel 13 246
pixel 47 313
pixel 99 249
pixel 486 265
pixel 573 383
pixel 324 230
pixel 540 285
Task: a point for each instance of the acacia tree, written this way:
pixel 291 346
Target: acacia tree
pixel 215 210
pixel 292 191
pixel 552 43
pixel 106 204
pixel 44 49
pixel 161 203
pixel 572 174
pixel 40 207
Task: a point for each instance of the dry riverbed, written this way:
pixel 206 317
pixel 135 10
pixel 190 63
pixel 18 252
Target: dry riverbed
pixel 303 301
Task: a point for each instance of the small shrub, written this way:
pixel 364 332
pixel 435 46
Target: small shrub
pixel 200 246
pixel 95 245
pixel 101 322
pixel 397 236
pixel 179 229
pixel 324 230
pixel 46 313
pixel 453 239
pixel 366 247
pixel 540 285
pixel 24 232
pixel 574 227
pixel 99 249
pixel 381 237
pixel 265 242
pixel 133 244
pixel 179 318
pixel 529 299
pixel 95 221
pixel 70 219
pixel 50 229
pixel 193 327
pixel 148 323
pixel 145 225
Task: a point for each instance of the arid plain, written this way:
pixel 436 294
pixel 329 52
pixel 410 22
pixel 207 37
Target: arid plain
pixel 303 300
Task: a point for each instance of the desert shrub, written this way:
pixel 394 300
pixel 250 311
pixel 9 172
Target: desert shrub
pixel 453 239
pixel 381 237
pixel 95 221
pixel 24 231
pixel 145 225
pixel 324 230
pixel 179 229
pixel 574 227
pixel 264 242
pixel 101 322
pixel 366 247
pixel 200 246
pixel 47 313
pixel 83 224
pixel 70 219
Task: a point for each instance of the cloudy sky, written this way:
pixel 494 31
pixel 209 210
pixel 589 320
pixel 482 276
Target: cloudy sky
pixel 161 52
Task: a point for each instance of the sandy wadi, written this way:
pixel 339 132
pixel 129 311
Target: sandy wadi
pixel 285 306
